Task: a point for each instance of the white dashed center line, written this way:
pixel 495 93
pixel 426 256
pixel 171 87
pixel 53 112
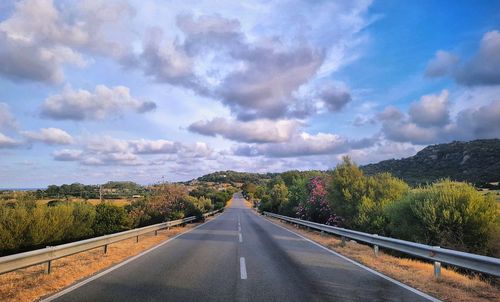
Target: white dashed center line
pixel 243 268
pixel 241 238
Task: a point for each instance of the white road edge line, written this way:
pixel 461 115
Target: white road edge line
pixel 243 268
pixel 92 278
pixel 414 290
pixel 241 238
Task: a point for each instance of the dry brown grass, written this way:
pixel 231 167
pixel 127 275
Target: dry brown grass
pixel 453 286
pixel 229 203
pixel 32 283
pixel 248 204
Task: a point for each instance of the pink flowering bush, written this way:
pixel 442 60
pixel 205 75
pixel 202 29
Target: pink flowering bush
pixel 316 208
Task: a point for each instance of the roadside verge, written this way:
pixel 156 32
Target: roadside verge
pixel 32 283
pixel 453 286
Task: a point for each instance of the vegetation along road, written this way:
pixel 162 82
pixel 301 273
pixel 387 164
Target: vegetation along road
pixel 239 256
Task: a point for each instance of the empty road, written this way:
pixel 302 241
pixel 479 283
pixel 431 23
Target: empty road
pixel 240 256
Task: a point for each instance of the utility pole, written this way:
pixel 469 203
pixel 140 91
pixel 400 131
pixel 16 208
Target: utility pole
pixel 100 193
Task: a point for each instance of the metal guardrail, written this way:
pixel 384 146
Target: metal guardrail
pixel 50 253
pixel 478 263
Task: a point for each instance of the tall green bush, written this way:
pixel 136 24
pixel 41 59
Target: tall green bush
pixel 110 219
pixel 449 214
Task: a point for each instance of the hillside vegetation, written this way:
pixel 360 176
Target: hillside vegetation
pixel 446 213
pixel 476 162
pixel 26 224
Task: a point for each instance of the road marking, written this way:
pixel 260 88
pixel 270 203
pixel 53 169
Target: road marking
pixel 413 290
pixel 243 268
pixel 77 285
pixel 239 229
pixel 241 238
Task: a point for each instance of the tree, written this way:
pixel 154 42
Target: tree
pixel 279 196
pixel 297 193
pixel 249 190
pixel 346 188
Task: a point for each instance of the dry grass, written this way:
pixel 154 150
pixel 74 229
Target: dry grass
pixel 248 204
pixel 453 286
pixel 32 283
pixel 229 203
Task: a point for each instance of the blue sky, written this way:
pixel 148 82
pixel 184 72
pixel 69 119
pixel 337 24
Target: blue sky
pixel 139 90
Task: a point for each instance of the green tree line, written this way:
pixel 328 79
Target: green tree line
pixel 446 213
pixel 26 225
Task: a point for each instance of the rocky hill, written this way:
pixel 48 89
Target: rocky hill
pixel 476 162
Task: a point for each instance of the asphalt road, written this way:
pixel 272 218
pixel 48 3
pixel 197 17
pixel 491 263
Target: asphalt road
pixel 240 256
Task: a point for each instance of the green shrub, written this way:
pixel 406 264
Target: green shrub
pixel 109 219
pixel 84 215
pixel 14 221
pixel 449 214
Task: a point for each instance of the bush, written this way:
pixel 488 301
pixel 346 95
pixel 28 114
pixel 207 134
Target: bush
pixel 381 191
pixel 84 215
pixel 14 221
pixel 315 207
pixel 110 219
pixel 49 224
pixel 449 214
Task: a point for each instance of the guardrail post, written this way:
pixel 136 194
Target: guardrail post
pixel 342 244
pixel 48 267
pixel 137 238
pixel 156 233
pixel 105 249
pixel 375 248
pixel 322 233
pixel 437 269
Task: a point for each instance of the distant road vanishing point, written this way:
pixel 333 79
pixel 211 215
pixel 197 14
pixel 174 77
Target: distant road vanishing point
pixel 239 256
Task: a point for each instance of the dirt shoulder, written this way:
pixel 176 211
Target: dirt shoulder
pixel 31 284
pixel 453 286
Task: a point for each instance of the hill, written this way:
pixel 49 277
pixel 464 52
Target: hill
pixel 233 176
pixel 476 162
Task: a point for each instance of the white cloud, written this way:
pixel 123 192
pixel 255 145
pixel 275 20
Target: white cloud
pixel 382 151
pixel 252 63
pixel 160 146
pixel 444 63
pixel 431 110
pixel 67 155
pixel 39 38
pixel 7 120
pixel 257 131
pixel 101 150
pixel 86 105
pixel 335 98
pixel 306 144
pixel 50 136
pixel 429 121
pixel 482 69
pixel 8 142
